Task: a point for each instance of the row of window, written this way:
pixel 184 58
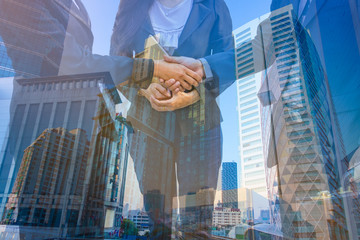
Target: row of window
pixel 62 85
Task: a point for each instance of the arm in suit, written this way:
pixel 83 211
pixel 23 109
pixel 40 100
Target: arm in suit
pixel 47 38
pixel 222 61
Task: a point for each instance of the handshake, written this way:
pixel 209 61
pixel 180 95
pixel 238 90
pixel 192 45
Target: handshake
pixel 176 75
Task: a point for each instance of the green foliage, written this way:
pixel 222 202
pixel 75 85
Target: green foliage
pixel 128 227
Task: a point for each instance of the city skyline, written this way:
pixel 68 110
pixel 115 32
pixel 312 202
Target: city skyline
pixel 79 155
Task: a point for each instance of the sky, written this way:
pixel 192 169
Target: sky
pixel 102 14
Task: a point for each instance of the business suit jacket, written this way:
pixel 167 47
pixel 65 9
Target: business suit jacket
pixel 207 34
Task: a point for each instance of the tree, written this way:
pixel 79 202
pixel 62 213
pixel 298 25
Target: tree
pixel 128 227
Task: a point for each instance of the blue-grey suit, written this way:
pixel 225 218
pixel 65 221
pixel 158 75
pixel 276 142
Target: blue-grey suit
pixel 197 149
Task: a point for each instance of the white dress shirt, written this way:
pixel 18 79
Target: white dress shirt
pixel 168 23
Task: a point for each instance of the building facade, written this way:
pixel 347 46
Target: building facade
pixel 70 102
pixel 229 185
pixel 252 173
pixel 6 69
pixel 302 168
pixel 226 217
pixel 41 194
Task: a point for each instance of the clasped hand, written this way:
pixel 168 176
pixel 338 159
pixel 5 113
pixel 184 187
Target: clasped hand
pixel 176 74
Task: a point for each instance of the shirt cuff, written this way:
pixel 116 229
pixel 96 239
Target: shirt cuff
pixel 207 69
pixel 209 77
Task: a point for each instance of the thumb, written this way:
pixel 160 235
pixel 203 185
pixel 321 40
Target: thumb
pixel 143 92
pixel 171 59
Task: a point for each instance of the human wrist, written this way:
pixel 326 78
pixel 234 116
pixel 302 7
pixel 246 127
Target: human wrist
pixel 157 68
pixel 201 69
pixel 143 72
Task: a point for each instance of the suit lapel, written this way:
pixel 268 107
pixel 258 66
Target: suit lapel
pixel 197 15
pixel 147 26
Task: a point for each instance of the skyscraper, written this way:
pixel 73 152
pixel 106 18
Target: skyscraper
pixel 229 184
pixel 6 69
pixel 303 180
pixel 108 161
pixel 69 102
pixel 42 194
pixel 252 173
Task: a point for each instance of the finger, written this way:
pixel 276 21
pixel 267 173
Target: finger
pixel 174 86
pixel 176 90
pixel 169 82
pixel 161 80
pixel 160 103
pixel 163 91
pixel 191 82
pixel 155 107
pixel 181 89
pixel 170 59
pixel 183 82
pixel 194 75
pixel 143 92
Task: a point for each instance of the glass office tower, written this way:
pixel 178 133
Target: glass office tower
pixel 298 133
pixel 252 173
pixel 229 185
pixel 297 127
pixel 6 69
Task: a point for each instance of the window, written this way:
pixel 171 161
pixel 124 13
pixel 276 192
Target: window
pixel 279 16
pixel 250 122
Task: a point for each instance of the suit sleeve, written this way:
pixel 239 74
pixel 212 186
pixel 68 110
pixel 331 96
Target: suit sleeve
pixel 222 61
pixel 78 60
pixel 43 39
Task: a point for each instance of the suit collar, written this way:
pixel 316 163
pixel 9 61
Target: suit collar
pixel 148 26
pixel 197 15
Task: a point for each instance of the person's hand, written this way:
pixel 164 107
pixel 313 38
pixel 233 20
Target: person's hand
pixel 173 85
pixel 191 63
pixel 155 90
pixel 186 77
pixel 177 101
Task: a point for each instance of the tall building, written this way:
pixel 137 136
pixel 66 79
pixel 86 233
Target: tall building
pixel 229 184
pixel 6 69
pixel 303 180
pixel 71 102
pixel 108 161
pixel 351 190
pixel 40 55
pixel 252 173
pixel 68 102
pixel 42 194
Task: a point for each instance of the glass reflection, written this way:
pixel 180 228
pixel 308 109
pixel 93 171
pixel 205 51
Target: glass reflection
pixel 130 145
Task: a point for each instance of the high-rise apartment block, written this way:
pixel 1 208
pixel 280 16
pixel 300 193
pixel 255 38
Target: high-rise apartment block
pixel 42 194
